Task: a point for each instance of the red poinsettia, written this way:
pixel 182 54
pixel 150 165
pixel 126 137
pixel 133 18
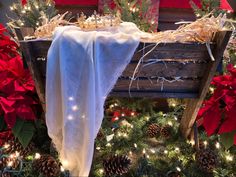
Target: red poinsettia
pixel 219 112
pixel 23 2
pixel 16 84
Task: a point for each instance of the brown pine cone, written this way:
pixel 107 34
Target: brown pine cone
pixel 206 160
pixel 166 131
pixel 153 130
pixel 47 166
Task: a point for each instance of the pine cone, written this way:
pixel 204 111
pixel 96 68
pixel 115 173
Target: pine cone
pixel 116 165
pixel 173 174
pixel 206 160
pixel 47 166
pixel 15 145
pixel 153 130
pixel 166 131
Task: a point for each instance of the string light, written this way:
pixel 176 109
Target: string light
pixel 173 105
pixel 108 144
pixel 211 89
pixel 70 117
pixel 178 169
pixel 98 148
pixel 36 6
pixel 10 164
pixel 22 24
pixel 75 108
pixel 175 118
pixel 135 145
pixel 62 169
pixel 170 123
pixel 125 135
pixel 111 106
pixel 71 98
pixel 229 158
pixel 116 104
pixel 11 8
pixel 165 152
pixel 101 171
pixel 130 153
pixel 37 156
pixel 205 143
pixel 65 163
pixel 198 15
pixel 217 145
pixel 148 156
pixel 23 11
pixel 152 151
pixel 132 113
pixel 122 114
pixel 144 151
pixel 177 149
pixel 83 116
pixel 147 118
pixel 37 23
pixel 6 146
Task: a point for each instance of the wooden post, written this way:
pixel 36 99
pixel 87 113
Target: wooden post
pixel 193 105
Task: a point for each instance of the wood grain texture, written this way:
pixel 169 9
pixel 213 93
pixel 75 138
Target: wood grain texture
pixel 193 105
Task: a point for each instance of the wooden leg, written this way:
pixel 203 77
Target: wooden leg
pixel 189 116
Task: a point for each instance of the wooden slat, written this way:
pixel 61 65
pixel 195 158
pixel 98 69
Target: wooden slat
pixel 194 105
pixel 167 69
pixel 158 86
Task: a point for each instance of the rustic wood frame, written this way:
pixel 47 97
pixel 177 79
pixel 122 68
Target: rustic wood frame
pixel 35 54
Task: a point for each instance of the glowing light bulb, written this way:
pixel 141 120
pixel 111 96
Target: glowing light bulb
pixel 70 117
pixel 148 156
pixel 111 106
pixel 211 89
pixel 144 151
pixel 83 116
pixel 17 154
pixel 6 146
pixel 116 104
pixel 122 114
pixel 37 156
pixel 175 118
pixel 10 164
pixel 205 143
pixel 132 113
pixel 173 104
pixel 62 169
pixel 147 118
pixel 130 153
pixel 135 145
pixel 170 123
pixel 36 6
pixel 178 169
pixel 11 8
pixel 23 11
pixel 101 171
pixel 229 158
pixel 125 135
pixel 22 24
pixel 98 148
pixel 165 152
pixel 74 108
pixel 108 144
pixel 177 149
pixel 152 151
pixel 65 163
pixel 217 145
pixel 71 98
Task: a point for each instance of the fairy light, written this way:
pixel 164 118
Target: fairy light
pixel 37 156
pixel 101 171
pixel 119 134
pixel 11 8
pixel 175 118
pixel 125 135
pixel 205 143
pixel 165 152
pixel 71 98
pixel 37 23
pixel 217 145
pixel 131 126
pixel 152 22
pixel 83 116
pixel 116 118
pixel 65 163
pixel 17 154
pixel 115 104
pixel 98 148
pixel 6 146
pixel 22 24
pixel 229 158
pixel 132 113
pixel 198 15
pixel 170 123
pixel 152 151
pixel 74 108
pixel 173 105
pixel 144 151
pixel 147 118
pixel 135 145
pixel 12 156
pixel 229 11
pixel 112 106
pixel 211 89
pixel 70 117
pixel 177 149
pixel 36 6
pixel 29 8
pixel 192 142
pixel 108 144
pixel 23 11
pixel 148 156
pixel 130 153
pixel 10 164
pixel 122 114
pixel 178 169
pixel 62 169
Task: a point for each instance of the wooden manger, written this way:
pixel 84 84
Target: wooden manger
pixel 179 70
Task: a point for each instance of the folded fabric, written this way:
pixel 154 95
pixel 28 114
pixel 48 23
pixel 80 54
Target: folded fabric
pixel 82 69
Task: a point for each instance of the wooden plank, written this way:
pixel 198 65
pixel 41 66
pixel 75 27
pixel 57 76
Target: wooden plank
pixel 153 94
pixel 156 85
pixel 193 105
pixel 167 69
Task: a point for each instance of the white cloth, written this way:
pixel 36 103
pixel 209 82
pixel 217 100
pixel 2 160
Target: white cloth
pixel 82 68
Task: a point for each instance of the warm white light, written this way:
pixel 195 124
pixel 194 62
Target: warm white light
pixel 23 11
pixel 144 151
pixel 101 171
pixel 17 154
pixel 116 104
pixel 65 163
pixel 83 116
pixel 173 104
pixel 49 5
pixel 198 15
pixel 37 23
pixel 6 146
pixel 111 106
pixel 108 144
pixel 12 156
pixel 205 143
pixel 229 158
pixel 192 142
pixel 130 153
pixel 148 156
pixel 10 164
pixel 217 145
pixel 75 108
pixel 152 151
pixel 152 22
pixel 132 113
pixel 98 148
pixel 119 134
pixel 131 126
pixel 178 169
pixel 229 11
pixel 36 6
pixel 122 114
pixel 11 8
pixel 135 145
pixel 170 123
pixel 22 24
pixel 177 149
pixel 70 117
pixel 211 89
pixel 125 135
pixel 175 118
pixel 62 169
pixel 165 152
pixel 37 156
pixel 116 118
pixel 147 118
pixel 29 8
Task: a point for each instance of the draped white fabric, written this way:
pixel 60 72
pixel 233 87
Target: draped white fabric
pixel 82 68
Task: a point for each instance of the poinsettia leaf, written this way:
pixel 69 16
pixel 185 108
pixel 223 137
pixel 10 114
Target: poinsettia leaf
pixel 227 139
pixel 24 131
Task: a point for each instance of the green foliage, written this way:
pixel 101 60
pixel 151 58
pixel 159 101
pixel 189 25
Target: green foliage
pixel 24 131
pixel 208 6
pixel 33 14
pixel 227 139
pixel 142 13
